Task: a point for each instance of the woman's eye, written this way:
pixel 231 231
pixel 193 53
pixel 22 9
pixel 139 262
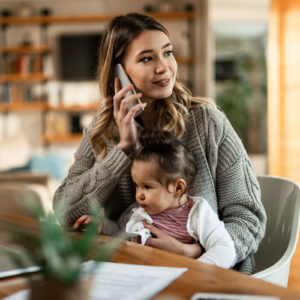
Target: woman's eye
pixel 146 59
pixel 169 53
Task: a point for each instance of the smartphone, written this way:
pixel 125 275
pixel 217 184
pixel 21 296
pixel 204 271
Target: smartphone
pixel 125 81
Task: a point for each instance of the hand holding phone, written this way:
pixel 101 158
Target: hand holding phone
pixel 125 81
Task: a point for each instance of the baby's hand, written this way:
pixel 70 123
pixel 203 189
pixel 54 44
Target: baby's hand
pixel 84 220
pixel 137 239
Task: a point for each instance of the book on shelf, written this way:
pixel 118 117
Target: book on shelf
pixel 4 96
pixel 24 64
pixel 22 94
pixel 62 124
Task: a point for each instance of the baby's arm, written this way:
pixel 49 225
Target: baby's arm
pixel 213 236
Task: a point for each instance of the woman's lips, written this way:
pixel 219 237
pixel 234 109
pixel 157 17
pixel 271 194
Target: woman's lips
pixel 162 82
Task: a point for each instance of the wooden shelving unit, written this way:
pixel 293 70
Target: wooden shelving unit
pixel 42 106
pixel 44 49
pixel 14 78
pixel 88 18
pixel 73 108
pixel 23 106
pixel 185 60
pixel 62 138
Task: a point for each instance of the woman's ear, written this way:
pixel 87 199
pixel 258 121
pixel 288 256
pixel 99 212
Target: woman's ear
pixel 180 186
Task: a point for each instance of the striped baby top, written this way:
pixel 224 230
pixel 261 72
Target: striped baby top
pixel 173 222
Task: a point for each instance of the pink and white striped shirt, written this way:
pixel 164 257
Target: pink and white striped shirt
pixel 173 221
pixel 201 222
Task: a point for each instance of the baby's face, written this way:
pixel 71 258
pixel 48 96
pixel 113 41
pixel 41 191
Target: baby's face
pixel 151 194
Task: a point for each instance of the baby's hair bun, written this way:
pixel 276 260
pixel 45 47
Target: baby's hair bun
pixel 158 141
pixel 173 158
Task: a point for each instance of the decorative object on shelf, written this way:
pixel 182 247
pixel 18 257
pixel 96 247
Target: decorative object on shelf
pixel 25 10
pixel 45 11
pixel 148 8
pixel 26 39
pixel 166 6
pixel 59 254
pixel 189 7
pixel 6 13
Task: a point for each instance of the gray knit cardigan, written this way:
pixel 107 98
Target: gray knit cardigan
pixel 225 178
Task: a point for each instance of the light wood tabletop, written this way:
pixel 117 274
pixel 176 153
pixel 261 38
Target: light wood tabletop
pixel 199 277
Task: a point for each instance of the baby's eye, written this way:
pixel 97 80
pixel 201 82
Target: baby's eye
pixel 146 59
pixel 147 186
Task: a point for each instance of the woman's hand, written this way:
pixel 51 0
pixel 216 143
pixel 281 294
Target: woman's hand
pixel 124 118
pixel 162 240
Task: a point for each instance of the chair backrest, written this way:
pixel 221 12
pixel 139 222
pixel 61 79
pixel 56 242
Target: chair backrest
pixel 14 198
pixel 281 199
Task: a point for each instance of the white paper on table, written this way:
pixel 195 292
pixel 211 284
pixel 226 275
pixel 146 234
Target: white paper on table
pixel 114 281
pixel 133 282
pixel 21 295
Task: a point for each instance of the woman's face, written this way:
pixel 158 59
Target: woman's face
pixel 150 63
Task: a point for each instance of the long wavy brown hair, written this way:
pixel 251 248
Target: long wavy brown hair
pixel 172 112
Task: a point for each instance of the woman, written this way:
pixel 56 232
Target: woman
pixel 225 177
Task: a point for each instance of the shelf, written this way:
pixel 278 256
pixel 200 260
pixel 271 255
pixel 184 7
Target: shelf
pixel 185 60
pixel 41 106
pixel 25 50
pixel 62 138
pixel 74 108
pixel 14 78
pixel 21 106
pixel 91 18
pixel 185 15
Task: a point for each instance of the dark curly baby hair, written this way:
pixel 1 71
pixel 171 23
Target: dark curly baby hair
pixel 174 160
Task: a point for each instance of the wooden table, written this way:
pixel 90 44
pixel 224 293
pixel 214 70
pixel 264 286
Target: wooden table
pixel 200 277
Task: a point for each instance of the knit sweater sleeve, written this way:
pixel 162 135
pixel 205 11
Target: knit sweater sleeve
pixel 89 179
pixel 238 191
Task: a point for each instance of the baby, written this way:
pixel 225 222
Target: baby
pixel 163 171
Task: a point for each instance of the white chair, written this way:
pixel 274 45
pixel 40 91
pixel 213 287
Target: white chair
pixel 281 199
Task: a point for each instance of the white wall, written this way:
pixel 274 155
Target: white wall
pixel 239 10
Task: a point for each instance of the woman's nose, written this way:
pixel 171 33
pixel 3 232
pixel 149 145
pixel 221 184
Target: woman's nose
pixel 161 66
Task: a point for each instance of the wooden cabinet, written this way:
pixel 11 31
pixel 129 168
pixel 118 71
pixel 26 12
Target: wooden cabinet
pixel 23 69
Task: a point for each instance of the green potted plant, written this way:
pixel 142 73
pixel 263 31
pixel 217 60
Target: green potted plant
pixel 242 97
pixel 59 254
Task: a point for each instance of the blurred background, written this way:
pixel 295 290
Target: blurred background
pixel 48 87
